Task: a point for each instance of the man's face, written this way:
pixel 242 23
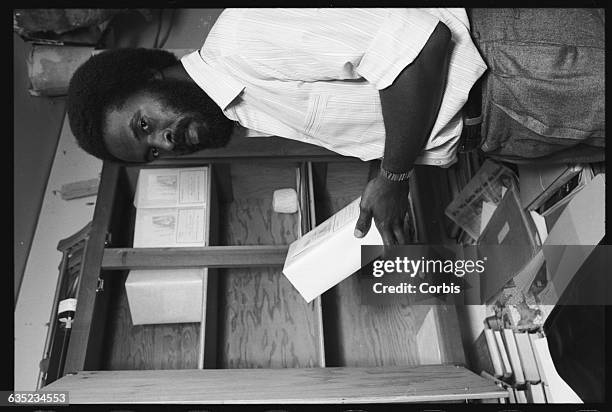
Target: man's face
pixel 167 117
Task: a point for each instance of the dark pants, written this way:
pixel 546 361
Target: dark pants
pixel 543 95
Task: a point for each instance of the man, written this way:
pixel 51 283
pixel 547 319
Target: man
pixel 368 83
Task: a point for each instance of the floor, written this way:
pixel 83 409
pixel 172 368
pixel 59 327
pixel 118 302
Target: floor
pixel 37 123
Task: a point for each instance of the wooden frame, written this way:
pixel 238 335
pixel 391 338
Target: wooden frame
pixel 300 385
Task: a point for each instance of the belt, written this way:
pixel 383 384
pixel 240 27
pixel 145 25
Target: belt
pixel 471 138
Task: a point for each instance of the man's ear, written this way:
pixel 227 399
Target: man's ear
pixel 155 74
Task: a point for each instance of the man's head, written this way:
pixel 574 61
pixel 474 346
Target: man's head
pixel 121 108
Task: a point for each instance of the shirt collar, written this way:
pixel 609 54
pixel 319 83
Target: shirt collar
pixel 222 88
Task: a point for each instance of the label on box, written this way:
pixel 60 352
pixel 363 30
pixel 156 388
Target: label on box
pixel 177 187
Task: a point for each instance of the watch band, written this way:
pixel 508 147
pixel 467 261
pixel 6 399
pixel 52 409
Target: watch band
pixel 395 177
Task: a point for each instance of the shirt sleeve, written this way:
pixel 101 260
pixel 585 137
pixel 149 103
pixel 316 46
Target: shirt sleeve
pixel 397 43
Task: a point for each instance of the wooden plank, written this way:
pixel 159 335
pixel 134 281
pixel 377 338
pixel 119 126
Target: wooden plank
pixel 263 321
pixel 260 148
pixel 205 277
pixel 308 221
pixel 210 335
pixel 434 383
pixel 208 256
pixel 87 329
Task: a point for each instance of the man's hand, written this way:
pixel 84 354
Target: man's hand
pixel 387 203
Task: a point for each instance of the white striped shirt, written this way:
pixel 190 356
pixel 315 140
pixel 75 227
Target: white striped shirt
pixel 314 75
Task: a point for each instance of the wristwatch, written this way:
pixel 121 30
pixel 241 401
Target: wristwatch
pixel 395 177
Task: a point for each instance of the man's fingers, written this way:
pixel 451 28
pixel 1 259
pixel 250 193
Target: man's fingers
pixel 388 237
pixel 363 223
pixel 398 231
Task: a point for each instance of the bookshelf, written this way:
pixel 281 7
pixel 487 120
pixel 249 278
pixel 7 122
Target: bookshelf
pixel 257 329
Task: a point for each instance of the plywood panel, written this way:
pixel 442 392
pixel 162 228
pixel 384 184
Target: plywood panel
pixel 128 347
pixel 263 321
pixel 359 334
pixel 436 383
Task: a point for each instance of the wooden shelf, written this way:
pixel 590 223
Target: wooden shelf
pixel 433 383
pixel 208 256
pixel 259 341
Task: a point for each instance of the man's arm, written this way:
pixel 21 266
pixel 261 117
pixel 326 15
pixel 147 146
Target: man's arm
pixel 410 107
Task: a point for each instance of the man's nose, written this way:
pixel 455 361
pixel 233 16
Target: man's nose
pixel 163 140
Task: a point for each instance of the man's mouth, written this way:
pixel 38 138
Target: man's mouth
pixel 190 135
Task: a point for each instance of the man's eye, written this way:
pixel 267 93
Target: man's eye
pixel 144 125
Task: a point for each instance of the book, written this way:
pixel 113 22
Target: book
pixel 498 369
pixel 511 395
pixel 504 353
pixel 513 354
pixel 536 393
pixel 527 358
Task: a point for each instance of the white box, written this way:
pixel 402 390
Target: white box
pixel 171 211
pixel 165 296
pixel 328 254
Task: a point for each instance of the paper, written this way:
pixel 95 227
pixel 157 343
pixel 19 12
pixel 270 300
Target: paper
pixel 540 224
pixel 487 185
pixel 171 207
pixel 177 187
pixel 170 227
pixel 488 208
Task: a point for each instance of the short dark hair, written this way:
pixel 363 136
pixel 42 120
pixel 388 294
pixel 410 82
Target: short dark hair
pixel 105 80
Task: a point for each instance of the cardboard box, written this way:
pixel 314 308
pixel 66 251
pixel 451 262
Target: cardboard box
pixel 509 242
pixel 165 296
pixel 328 254
pixel 172 206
